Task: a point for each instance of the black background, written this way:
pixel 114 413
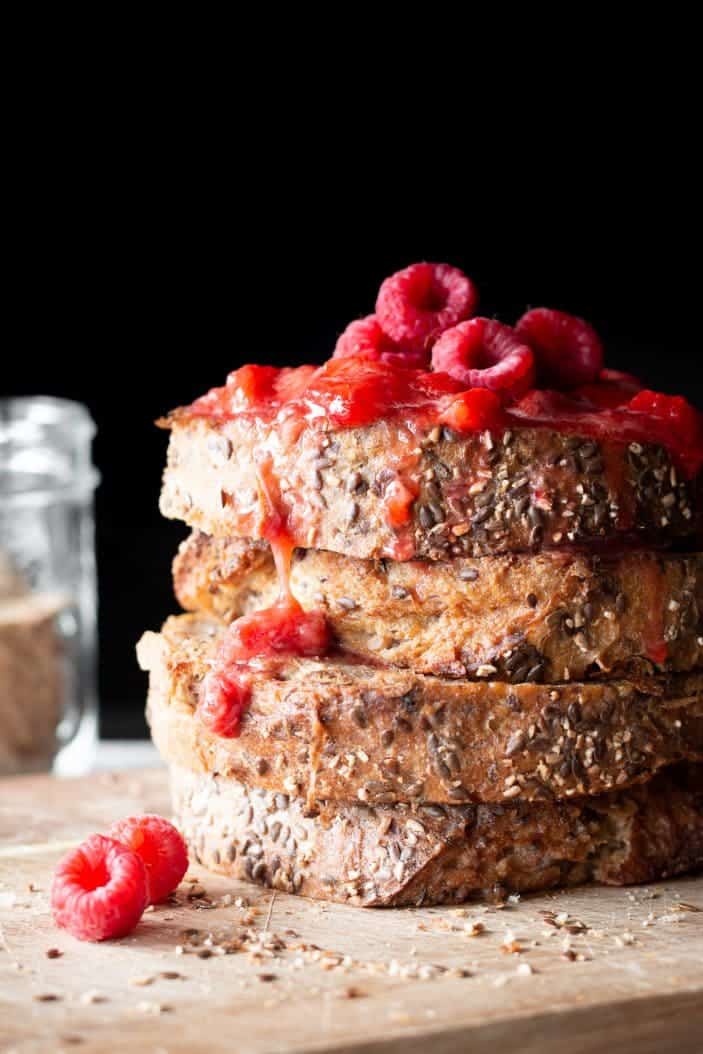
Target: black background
pixel 135 291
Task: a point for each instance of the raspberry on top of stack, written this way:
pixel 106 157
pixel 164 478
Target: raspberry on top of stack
pixel 426 578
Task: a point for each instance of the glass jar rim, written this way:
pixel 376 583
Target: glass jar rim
pixel 45 444
pixel 43 411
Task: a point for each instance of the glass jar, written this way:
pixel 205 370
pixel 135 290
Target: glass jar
pixel 48 706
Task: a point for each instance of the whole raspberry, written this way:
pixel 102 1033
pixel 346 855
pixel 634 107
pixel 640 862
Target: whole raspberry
pixel 160 847
pixel 482 353
pixel 568 351
pixel 99 890
pixel 416 305
pixel 364 339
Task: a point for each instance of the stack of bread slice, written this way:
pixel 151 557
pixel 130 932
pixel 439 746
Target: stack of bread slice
pixel 513 699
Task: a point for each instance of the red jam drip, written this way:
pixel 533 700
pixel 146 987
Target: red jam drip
pixel 274 526
pixel 349 393
pixel 399 499
pixel 260 641
pixel 256 643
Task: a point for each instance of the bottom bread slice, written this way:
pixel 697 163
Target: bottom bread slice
pixel 394 855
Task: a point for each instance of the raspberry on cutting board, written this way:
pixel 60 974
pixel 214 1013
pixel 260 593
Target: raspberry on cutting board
pixel 159 846
pixel 99 890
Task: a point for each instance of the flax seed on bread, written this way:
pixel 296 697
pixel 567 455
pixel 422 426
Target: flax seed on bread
pixel 542 617
pixel 468 495
pixel 383 856
pixel 332 729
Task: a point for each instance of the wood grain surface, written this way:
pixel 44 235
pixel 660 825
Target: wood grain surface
pixel 231 967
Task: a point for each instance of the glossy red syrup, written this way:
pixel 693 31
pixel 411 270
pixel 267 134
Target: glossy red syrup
pixel 274 525
pixel 344 392
pixel 348 393
pixel 399 499
pixel 256 643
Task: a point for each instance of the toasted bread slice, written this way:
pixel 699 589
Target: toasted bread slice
pixel 545 617
pixel 383 856
pixel 385 490
pixel 334 729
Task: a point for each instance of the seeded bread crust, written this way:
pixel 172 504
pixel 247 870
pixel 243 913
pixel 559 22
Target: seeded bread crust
pixel 382 856
pixel 471 495
pixel 545 618
pixel 337 730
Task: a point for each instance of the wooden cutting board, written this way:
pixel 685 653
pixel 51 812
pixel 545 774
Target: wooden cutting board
pixel 611 969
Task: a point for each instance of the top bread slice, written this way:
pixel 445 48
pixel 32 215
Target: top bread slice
pixel 384 490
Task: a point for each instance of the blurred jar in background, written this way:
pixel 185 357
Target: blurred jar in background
pixel 48 706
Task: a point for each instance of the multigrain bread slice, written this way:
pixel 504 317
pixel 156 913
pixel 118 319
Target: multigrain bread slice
pixel 383 856
pixel 334 729
pixel 544 617
pixel 465 495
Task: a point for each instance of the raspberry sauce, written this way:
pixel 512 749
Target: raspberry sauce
pixel 253 644
pixel 345 392
pixel 259 641
pixel 349 393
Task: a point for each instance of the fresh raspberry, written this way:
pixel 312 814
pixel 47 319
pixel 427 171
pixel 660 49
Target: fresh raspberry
pixel 612 389
pixel 482 353
pixel 474 411
pixel 415 305
pixel 568 351
pixel 160 847
pixel 99 890
pixel 364 339
pixel 283 629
